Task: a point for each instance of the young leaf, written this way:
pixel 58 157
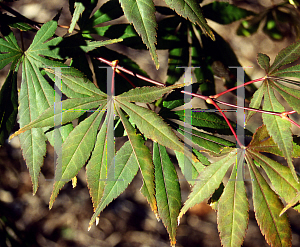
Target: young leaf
pixel 267 207
pixel 75 151
pixel 144 160
pixel 124 169
pixel 146 94
pixel 278 128
pixel 208 181
pixel 152 125
pixel 286 56
pixel 190 9
pixel 9 105
pixel 167 190
pixel 233 209
pixel 141 14
pixel 263 61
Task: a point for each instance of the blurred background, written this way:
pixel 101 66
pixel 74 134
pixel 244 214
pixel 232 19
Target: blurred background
pixel 25 220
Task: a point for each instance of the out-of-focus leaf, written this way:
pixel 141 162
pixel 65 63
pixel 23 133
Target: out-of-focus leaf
pixel 9 105
pixel 167 190
pixel 224 13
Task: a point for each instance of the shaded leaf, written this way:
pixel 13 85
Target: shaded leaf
pixel 224 13
pixel 9 105
pixel 191 10
pixel 256 100
pixel 167 190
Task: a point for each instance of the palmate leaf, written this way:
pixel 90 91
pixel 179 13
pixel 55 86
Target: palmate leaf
pixel 267 207
pixel 9 49
pixel 280 176
pixel 152 125
pixel 293 71
pixel 278 128
pixel 190 9
pixel 263 142
pixel 167 190
pixel 141 14
pixel 143 158
pixel 286 56
pixel 75 151
pixel 256 100
pixel 124 169
pixel 233 209
pixel 146 94
pixel 208 181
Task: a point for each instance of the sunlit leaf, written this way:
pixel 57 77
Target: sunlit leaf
pixel 208 181
pixel 167 190
pixel 233 209
pixel 263 61
pixel 286 56
pixel 141 14
pixel 146 94
pixel 79 8
pixel 267 207
pixel 75 151
pixel 144 160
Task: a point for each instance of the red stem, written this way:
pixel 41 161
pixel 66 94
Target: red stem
pixel 234 88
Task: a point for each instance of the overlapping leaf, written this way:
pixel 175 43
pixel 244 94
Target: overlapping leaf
pixel 75 151
pixel 267 207
pixel 208 181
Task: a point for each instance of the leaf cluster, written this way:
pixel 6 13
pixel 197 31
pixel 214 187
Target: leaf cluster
pixel 110 105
